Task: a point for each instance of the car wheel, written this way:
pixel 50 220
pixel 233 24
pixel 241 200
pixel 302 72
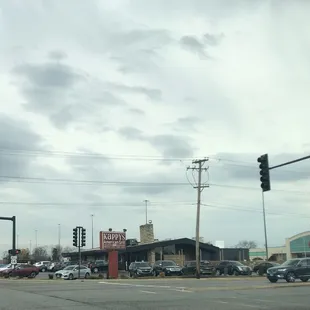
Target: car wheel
pixel 87 275
pixel 235 273
pixel 43 270
pixel 273 280
pixel 32 275
pixel 70 276
pixel 304 279
pixel 96 270
pixel 217 272
pixel 154 273
pixel 290 277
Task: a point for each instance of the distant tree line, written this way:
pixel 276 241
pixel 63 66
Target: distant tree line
pixel 40 253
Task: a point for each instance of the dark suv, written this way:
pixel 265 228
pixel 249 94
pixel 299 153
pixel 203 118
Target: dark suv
pixel 292 269
pixel 233 268
pixel 169 267
pixel 140 269
pixel 206 268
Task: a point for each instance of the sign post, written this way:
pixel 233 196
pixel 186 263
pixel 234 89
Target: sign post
pixel 112 242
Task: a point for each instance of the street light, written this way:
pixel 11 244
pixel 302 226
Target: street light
pixel 36 234
pixel 59 236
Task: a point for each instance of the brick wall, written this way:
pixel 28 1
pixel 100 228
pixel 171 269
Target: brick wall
pixel 146 233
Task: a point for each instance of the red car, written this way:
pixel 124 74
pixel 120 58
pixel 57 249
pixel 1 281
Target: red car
pixel 21 271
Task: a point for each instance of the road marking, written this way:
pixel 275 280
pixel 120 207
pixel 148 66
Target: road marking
pixel 148 292
pixel 182 291
pixel 136 285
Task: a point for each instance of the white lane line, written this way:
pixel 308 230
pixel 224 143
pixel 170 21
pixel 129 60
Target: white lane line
pixel 182 291
pixel 148 292
pixel 251 306
pixel 136 285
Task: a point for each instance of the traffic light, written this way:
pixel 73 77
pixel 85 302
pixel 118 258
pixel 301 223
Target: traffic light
pixel 83 237
pixel 75 237
pixel 14 252
pixel 264 172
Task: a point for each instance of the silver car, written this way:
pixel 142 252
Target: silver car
pixel 72 272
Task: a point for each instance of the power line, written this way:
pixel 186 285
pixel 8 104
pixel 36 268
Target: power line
pixel 40 180
pixel 66 154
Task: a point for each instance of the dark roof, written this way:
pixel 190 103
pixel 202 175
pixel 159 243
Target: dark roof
pixel 150 246
pixel 187 241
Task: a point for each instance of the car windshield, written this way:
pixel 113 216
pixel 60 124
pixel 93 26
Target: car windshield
pixel 291 262
pixel 69 268
pixel 169 263
pixel 142 265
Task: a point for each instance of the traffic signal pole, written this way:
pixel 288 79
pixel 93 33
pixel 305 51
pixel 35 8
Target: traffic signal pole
pixel 79 241
pixel 265 226
pixel 13 219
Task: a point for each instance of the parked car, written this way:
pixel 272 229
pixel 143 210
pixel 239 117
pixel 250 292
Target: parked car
pixel 22 270
pixel 169 267
pixel 206 268
pixel 99 266
pixel 292 269
pixel 42 265
pixel 262 267
pixel 140 269
pixel 233 268
pixel 72 272
pixel 55 266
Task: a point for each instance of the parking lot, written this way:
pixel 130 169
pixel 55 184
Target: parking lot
pixel 171 293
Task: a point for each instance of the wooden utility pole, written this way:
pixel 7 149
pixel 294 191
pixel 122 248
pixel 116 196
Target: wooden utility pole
pixel 199 186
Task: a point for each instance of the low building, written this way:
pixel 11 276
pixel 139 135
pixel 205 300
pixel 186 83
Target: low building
pixel 178 250
pixel 294 247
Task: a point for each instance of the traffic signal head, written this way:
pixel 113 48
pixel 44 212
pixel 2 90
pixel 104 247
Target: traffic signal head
pixel 14 252
pixel 264 172
pixel 83 243
pixel 75 237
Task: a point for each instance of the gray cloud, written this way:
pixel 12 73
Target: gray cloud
pixel 170 146
pixel 188 123
pixel 131 133
pixel 64 95
pixel 213 40
pixel 193 44
pixel 151 93
pixel 57 55
pixel 137 111
pixel 16 135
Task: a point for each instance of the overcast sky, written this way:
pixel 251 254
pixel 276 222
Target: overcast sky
pixel 104 104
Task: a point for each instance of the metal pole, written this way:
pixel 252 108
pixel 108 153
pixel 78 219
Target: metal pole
pixel 36 235
pixel 14 233
pixel 146 201
pixel 265 228
pixel 92 231
pixel 17 237
pixel 59 236
pixel 198 223
pixel 79 247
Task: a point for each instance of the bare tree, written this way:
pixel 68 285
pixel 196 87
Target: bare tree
pixel 246 244
pixel 40 253
pixel 68 249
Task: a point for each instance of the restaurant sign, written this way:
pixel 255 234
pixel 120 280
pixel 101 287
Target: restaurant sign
pixel 112 240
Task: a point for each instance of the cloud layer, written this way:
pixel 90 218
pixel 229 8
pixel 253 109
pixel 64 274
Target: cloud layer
pixel 105 105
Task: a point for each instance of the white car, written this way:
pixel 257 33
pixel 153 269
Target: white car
pixel 72 272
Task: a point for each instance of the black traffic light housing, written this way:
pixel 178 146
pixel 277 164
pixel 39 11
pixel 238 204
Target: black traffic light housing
pixel 75 237
pixel 14 252
pixel 83 243
pixel 264 172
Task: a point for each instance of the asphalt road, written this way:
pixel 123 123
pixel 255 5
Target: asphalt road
pixel 211 294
